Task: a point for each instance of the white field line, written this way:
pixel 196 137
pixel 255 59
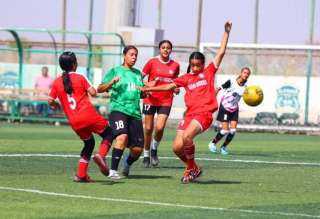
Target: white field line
pixel 164 204
pixel 175 158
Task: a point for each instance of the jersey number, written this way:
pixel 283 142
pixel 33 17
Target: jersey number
pixel 72 102
pixel 119 124
pixel 132 87
pixel 147 107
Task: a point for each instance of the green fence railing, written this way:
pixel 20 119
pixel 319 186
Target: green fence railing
pixel 111 44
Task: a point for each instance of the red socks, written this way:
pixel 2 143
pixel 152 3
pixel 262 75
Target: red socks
pixel 83 167
pixel 104 148
pixel 189 153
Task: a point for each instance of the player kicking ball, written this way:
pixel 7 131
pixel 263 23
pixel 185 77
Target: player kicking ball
pixel 228 113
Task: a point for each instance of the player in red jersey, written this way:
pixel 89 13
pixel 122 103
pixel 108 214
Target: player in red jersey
pixel 161 69
pixel 201 102
pixel 72 89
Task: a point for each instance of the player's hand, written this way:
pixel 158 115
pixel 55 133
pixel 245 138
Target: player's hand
pixel 176 91
pixel 227 26
pixel 115 79
pixel 142 89
pixel 151 83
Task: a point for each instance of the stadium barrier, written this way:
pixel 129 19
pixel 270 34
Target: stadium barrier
pixel 31 105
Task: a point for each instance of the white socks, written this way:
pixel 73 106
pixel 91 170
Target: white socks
pixel 146 153
pixel 154 144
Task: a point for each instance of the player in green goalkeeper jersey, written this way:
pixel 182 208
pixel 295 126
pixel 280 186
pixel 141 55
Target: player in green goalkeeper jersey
pixel 125 115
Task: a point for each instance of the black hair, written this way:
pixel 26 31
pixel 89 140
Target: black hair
pixel 198 56
pixel 67 61
pixel 127 48
pixel 165 41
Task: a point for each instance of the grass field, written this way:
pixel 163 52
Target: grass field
pixel 267 176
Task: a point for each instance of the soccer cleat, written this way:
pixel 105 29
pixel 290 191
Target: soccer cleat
pixel 114 175
pixel 146 162
pixel 154 158
pixel 104 169
pixel 85 179
pixel 195 173
pixel 126 167
pixel 224 151
pixel 186 178
pixel 212 147
pixel 190 175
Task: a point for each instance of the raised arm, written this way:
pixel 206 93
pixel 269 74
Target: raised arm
pixel 105 87
pixel 219 56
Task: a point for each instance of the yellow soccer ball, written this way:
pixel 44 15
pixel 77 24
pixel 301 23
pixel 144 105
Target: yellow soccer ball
pixel 253 95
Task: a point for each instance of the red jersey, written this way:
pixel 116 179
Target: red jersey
pixel 200 91
pixel 163 73
pixel 77 106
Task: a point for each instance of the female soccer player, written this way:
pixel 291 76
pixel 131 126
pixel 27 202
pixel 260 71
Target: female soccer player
pixel 72 91
pixel 125 117
pixel 229 110
pixel 161 69
pixel 200 100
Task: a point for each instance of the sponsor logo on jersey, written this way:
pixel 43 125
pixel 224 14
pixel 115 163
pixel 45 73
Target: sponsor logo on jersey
pixel 197 84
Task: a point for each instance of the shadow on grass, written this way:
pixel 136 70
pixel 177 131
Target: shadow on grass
pixel 170 167
pixel 109 182
pixel 148 177
pixel 213 181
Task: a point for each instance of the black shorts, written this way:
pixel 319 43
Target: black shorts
pixel 227 116
pixel 151 110
pixel 125 124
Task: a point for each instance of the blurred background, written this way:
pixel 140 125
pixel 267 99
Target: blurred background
pixel 278 40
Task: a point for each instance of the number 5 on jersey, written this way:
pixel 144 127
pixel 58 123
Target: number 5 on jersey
pixel 72 102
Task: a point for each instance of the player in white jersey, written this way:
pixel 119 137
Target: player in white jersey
pixel 229 109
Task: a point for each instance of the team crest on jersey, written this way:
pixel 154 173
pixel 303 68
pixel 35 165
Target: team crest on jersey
pixel 201 75
pixel 171 72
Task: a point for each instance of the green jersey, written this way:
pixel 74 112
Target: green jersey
pixel 125 97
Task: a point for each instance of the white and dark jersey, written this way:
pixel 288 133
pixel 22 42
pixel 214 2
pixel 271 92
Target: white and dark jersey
pixel 232 93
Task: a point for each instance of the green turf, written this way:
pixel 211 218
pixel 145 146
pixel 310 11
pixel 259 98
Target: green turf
pixel 265 189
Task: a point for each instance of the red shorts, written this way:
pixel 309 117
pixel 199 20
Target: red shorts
pixel 203 119
pixel 98 127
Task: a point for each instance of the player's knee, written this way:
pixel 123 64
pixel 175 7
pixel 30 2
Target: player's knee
pixel 187 139
pixel 224 131
pixel 177 146
pixel 160 127
pixel 177 149
pixel 122 139
pixel 233 131
pixel 136 151
pixel 148 130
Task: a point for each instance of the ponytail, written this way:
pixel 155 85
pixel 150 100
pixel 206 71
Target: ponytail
pixel 189 69
pixel 67 84
pixel 68 62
